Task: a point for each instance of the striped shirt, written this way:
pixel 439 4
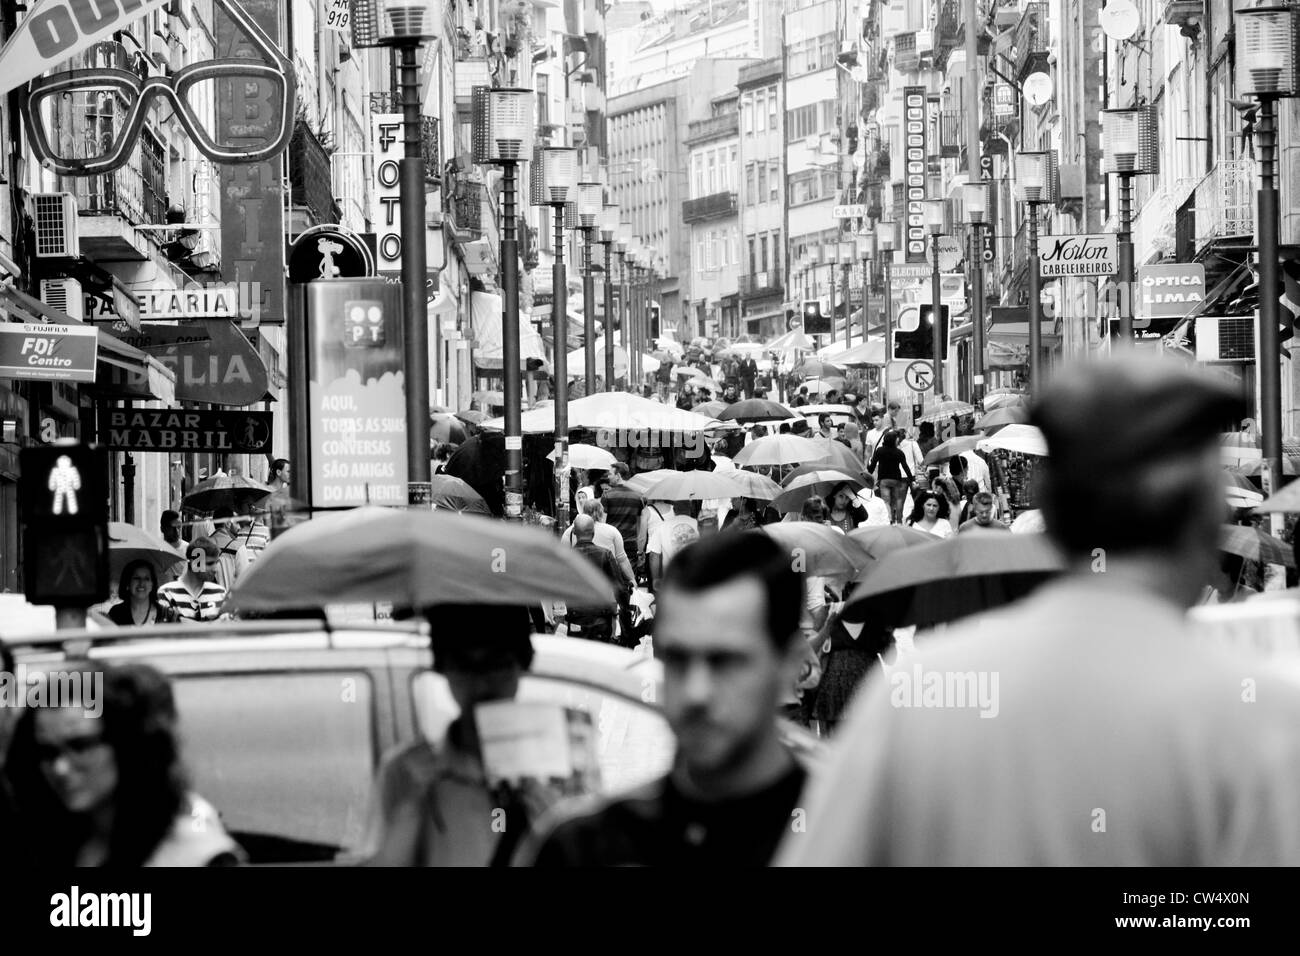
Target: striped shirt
pixel 205 606
pixel 255 539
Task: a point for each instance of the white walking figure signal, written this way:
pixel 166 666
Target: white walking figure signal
pixel 65 482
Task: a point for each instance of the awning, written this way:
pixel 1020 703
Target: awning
pixel 122 370
pixel 485 315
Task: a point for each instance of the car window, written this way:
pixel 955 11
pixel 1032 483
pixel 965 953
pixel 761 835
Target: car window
pixel 634 742
pixel 287 759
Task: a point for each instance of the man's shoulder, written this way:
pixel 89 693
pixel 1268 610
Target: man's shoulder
pixel 599 830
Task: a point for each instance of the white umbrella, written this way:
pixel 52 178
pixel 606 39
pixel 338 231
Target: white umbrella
pixel 1029 522
pixel 791 341
pixel 587 456
pixel 578 360
pixel 612 412
pixel 1025 439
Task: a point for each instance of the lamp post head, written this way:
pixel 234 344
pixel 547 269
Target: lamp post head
pixel 1266 50
pixel 935 214
pixel 976 197
pixel 1031 177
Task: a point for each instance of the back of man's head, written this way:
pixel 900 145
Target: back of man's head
pixel 584 528
pixel 682 507
pixel 618 473
pixel 1132 464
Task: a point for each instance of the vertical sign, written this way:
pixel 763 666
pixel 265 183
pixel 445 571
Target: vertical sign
pixel 387 147
pixel 357 393
pixel 252 195
pixel 914 152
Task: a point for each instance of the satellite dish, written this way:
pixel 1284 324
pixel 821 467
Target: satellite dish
pixel 1038 88
pixel 1120 19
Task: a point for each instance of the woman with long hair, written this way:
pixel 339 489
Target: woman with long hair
pixel 137 590
pixel 105 786
pixel 893 474
pixel 845 511
pixel 848 651
pixel 930 513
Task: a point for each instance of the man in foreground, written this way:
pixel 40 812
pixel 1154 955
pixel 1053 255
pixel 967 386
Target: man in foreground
pixel 983 516
pixel 727 632
pixel 1112 737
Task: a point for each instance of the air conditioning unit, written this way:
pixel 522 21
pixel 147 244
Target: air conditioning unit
pixel 65 295
pixel 56 225
pixel 1225 338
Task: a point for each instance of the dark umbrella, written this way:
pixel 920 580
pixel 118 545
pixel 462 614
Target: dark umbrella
pixel 951 448
pixel 127 543
pixel 960 575
pixel 235 491
pixel 1255 545
pixel 453 494
pixel 753 410
pixel 1002 417
pixel 472 416
pixel 447 428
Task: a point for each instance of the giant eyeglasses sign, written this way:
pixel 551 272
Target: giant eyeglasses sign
pixel 236 109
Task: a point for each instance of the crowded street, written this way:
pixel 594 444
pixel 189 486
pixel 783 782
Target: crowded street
pixel 719 434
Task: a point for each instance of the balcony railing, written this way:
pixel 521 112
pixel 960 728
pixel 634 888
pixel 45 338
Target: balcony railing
pixel 905 54
pixel 714 206
pixel 1030 46
pixel 1223 204
pixel 1154 227
pixel 467 210
pixel 714 127
pixel 137 191
pixel 310 180
pixel 950 132
pixel 761 283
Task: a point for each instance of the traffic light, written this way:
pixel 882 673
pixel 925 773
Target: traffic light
pixel 63 494
pixel 654 320
pixel 814 321
pixel 914 333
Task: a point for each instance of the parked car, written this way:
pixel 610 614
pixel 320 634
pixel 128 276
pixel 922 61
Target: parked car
pixel 284 723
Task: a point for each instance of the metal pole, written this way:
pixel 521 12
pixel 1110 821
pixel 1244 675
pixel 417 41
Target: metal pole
pixel 588 313
pixel 1269 348
pixel 1125 254
pixel 973 88
pixel 414 292
pixel 560 331
pixel 938 338
pixel 866 299
pixel 609 317
pixel 624 312
pixel 510 348
pixel 977 312
pixel 1035 305
pixel 889 323
pixel 848 315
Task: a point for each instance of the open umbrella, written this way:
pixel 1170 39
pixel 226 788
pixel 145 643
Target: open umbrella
pixel 1255 468
pixel 692 486
pixel 221 490
pixel 127 543
pixel 880 540
pixel 753 410
pixel 588 456
pixel 1004 398
pixel 839 456
pixel 818 549
pixel 751 485
pixel 489 397
pixel 951 448
pixel 416 559
pixel 820 386
pixel 471 416
pixel 963 574
pixel 946 410
pixel 642 483
pixel 1025 439
pixel 454 494
pixel 710 409
pixel 1255 544
pixel 1284 502
pixel 447 428
pixel 779 450
pixel 814 483
pixel 1014 415
pixel 817 368
pixel 1029 522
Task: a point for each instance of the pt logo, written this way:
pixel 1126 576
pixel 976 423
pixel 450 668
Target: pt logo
pixel 65 482
pixel 919 377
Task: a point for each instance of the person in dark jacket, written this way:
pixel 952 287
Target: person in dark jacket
pixel 596 623
pixel 889 466
pixel 748 371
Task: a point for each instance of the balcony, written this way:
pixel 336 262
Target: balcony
pixel 947 32
pixel 112 204
pixel 906 57
pixel 950 132
pixel 999 115
pixel 716 127
pixel 310 180
pixel 715 206
pixel 756 284
pixel 1030 46
pixel 1222 207
pixel 466 209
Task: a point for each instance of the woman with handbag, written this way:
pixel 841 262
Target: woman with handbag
pixel 847 652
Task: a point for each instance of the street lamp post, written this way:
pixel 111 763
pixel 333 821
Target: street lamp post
pixel 608 229
pixel 591 202
pixel 624 307
pixel 1131 147
pixel 846 264
pixel 1267 69
pixel 935 214
pixel 864 253
pixel 976 195
pixel 507 141
pixel 555 178
pixel 1031 183
pixel 885 232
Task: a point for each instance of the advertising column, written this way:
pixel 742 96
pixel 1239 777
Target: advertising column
pixel 357 396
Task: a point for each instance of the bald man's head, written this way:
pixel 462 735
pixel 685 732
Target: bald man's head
pixel 584 528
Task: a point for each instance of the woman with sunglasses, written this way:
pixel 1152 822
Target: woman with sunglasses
pixel 104 785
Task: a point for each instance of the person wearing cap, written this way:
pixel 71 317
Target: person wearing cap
pixel 1089 727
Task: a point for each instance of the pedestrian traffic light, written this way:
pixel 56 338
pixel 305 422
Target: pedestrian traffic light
pixel 914 333
pixel 63 494
pixel 814 321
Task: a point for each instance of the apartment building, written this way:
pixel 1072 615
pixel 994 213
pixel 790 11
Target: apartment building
pixel 762 281
pixel 712 214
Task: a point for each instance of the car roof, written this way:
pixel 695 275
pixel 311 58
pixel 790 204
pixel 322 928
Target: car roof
pixel 807 410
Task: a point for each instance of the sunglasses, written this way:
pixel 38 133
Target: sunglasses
pixel 234 109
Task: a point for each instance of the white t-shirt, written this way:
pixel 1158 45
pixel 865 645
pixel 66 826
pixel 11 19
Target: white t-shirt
pixel 673 534
pixel 941 529
pixel 877 510
pixel 977 470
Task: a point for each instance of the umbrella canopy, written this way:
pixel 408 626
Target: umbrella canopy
pixel 799 489
pixel 613 412
pixel 1255 545
pixel 1014 415
pixel 1284 501
pixel 447 428
pixel 1029 522
pixel 780 450
pixel 752 350
pixel 753 410
pixel 710 409
pixel 951 448
pixel 871 352
pixel 643 482
pixel 946 410
pixel 1255 468
pixel 813 468
pixel 963 574
pixel 820 386
pixel 818 368
pixel 127 543
pixel 669 345
pixel 790 342
pixel 818 549
pixel 577 364
pixel 1005 398
pixel 416 559
pixel 839 456
pixel 751 485
pixel 235 491
pixel 880 540
pixel 588 456
pixel 471 416
pixel 453 494
pixel 692 486
pixel 1025 439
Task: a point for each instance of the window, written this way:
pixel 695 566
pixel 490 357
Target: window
pixel 811 55
pixel 733 167
pixel 747 114
pixel 713 172
pixel 771 109
pixel 751 197
pixel 753 258
pixel 812 185
pixel 776 252
pixel 774 181
pixel 760 111
pixel 762 254
pixel 697 175
pixel 762 182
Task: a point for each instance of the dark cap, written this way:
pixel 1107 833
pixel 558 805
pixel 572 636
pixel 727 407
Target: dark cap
pixel 1129 410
